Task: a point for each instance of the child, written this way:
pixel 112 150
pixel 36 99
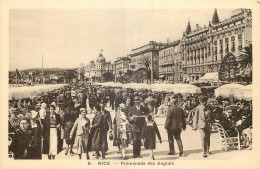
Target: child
pixel 149 130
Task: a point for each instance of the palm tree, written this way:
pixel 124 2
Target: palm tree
pixel 129 73
pixel 245 60
pixel 146 62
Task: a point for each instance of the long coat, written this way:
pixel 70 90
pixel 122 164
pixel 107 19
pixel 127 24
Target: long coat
pixel 21 144
pixel 96 141
pixel 36 144
pixel 148 133
pixel 68 121
pixel 46 134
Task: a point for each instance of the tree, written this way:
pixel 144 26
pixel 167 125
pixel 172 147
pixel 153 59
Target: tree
pixel 146 62
pixel 129 74
pixel 120 75
pixel 228 67
pixel 245 61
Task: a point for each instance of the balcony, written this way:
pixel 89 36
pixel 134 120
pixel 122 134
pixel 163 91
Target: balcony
pixel 233 49
pixel 221 51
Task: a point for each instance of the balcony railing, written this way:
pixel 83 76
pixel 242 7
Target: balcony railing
pixel 221 51
pixel 233 49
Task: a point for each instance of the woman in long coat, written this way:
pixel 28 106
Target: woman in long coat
pixel 52 142
pixel 81 129
pixel 68 121
pixel 120 128
pixel 97 133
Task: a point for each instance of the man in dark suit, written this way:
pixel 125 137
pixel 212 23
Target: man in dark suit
pixel 112 96
pixel 136 119
pixel 202 120
pixel 174 124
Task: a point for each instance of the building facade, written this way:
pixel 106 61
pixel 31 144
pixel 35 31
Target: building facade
pixel 203 48
pixel 170 62
pixel 143 57
pixel 96 69
pixel 121 66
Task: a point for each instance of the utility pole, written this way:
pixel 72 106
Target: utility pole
pixel 151 70
pixel 115 72
pixel 42 71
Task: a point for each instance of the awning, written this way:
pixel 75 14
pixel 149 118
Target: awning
pixel 209 77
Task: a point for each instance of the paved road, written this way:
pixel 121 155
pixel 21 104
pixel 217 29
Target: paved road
pixel 191 143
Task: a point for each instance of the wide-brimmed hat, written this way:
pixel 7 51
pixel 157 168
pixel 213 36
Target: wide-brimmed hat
pixel 136 99
pixel 83 109
pixel 34 114
pixel 16 110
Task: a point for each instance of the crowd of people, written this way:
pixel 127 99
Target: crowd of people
pixel 42 124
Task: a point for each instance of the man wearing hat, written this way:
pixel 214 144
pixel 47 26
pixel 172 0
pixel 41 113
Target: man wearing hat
pixel 136 118
pixel 202 120
pixel 15 117
pixel 37 136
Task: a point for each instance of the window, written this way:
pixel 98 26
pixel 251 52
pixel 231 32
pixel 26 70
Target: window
pixel 233 46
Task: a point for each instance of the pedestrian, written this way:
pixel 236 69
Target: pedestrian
pixel 97 132
pixel 136 118
pixel 174 124
pixel 107 122
pixel 150 129
pixel 68 121
pixel 21 143
pixel 202 121
pixel 121 130
pixel 36 143
pixel 52 143
pixel 81 128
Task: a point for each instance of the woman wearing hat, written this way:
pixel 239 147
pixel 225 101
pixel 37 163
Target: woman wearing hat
pixel 22 141
pixel 52 143
pixel 121 124
pixel 81 128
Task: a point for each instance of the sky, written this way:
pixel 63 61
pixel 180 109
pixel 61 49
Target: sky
pixel 68 37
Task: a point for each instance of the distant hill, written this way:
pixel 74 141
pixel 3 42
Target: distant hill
pixel 47 71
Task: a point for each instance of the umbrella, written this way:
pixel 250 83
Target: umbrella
pixel 185 88
pixel 228 89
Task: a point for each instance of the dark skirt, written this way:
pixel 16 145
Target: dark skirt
pixel 67 129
